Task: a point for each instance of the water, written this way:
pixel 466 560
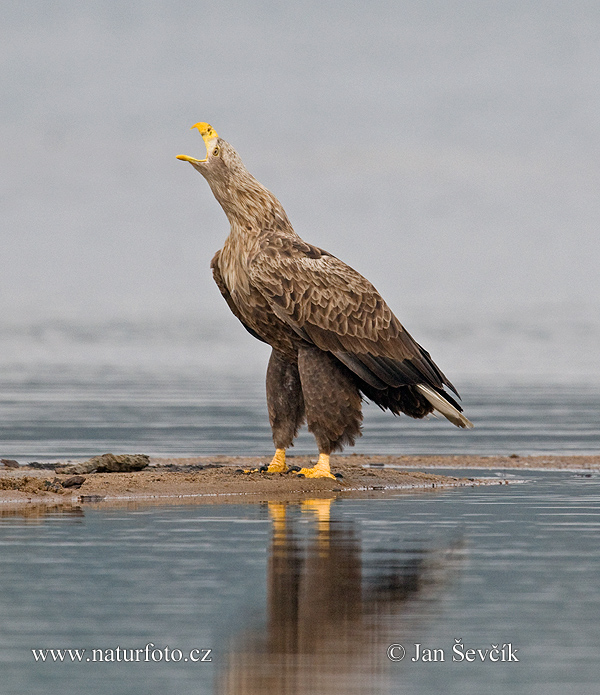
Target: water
pixel 308 597
pixel 74 412
pixel 291 598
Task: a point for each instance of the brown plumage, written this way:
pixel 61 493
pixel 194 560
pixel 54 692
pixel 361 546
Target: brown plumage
pixel 334 338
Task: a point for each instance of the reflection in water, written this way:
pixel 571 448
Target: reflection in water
pixel 41 512
pixel 332 610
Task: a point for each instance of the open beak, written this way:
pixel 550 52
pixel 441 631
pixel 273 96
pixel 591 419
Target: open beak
pixel 209 134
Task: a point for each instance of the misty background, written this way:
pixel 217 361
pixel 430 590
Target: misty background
pixel 450 152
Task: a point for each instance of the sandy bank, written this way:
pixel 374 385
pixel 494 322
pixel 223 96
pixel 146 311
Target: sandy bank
pixel 217 479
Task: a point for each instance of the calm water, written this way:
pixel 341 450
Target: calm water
pixel 70 412
pixel 307 598
pixel 300 598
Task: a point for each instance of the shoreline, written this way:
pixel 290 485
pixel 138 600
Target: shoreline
pixel 216 479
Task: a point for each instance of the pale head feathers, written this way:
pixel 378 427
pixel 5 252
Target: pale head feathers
pixel 244 200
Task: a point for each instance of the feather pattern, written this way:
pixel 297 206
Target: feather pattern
pixel 340 311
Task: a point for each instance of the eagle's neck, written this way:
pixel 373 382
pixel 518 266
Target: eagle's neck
pixel 252 210
pixel 253 213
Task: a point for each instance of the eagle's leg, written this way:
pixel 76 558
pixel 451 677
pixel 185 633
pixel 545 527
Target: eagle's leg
pixel 333 405
pixel 285 404
pixel 320 470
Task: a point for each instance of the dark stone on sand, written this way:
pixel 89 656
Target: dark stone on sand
pixel 185 467
pixel 44 466
pixel 109 463
pixel 75 481
pixel 181 468
pixel 9 463
pixel 52 485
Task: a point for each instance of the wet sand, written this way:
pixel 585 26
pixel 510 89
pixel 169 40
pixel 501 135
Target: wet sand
pixel 218 479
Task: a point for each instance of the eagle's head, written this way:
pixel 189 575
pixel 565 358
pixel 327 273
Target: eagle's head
pixel 221 161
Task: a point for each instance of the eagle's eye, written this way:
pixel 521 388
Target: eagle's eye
pixel 216 152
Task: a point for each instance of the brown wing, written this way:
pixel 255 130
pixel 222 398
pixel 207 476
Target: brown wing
pixel 256 315
pixel 330 304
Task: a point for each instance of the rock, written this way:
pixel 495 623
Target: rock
pixel 75 481
pixel 109 463
pixel 77 468
pixel 9 463
pixel 53 485
pixel 180 468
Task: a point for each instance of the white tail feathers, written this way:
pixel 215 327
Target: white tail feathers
pixel 446 409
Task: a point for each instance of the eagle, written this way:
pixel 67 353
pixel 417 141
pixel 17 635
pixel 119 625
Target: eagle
pixel 335 342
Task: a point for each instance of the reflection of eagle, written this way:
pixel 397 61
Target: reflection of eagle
pixel 334 605
pixel 333 337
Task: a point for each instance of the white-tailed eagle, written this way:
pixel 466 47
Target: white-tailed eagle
pixel 334 340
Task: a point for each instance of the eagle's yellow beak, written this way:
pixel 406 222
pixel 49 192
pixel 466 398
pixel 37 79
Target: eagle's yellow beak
pixel 208 135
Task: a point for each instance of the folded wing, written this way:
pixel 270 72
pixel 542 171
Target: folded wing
pixel 331 305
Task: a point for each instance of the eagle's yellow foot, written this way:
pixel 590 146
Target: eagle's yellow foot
pixel 320 470
pixel 278 464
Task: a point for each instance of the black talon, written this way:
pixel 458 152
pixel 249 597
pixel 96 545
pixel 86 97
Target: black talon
pixel 338 475
pixel 301 475
pixel 294 469
pixel 263 469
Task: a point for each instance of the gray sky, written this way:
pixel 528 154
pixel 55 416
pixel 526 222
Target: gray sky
pixel 448 151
